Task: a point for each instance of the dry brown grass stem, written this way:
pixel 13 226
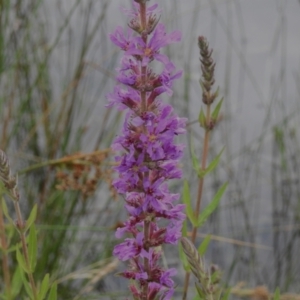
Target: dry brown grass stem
pixel 93 273
pixel 259 293
pixel 233 241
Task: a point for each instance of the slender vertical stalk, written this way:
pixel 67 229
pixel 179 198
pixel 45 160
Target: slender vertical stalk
pixel 199 197
pixel 4 246
pixel 208 97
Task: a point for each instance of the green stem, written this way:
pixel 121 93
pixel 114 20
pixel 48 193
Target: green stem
pixel 199 196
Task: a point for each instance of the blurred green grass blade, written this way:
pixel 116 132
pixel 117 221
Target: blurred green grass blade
pixel 16 283
pixel 44 287
pixel 203 246
pixel 277 294
pixel 213 164
pixel 216 111
pixel 32 247
pixel 21 261
pixel 31 218
pixel 187 202
pixel 195 160
pixel 53 292
pixel 211 207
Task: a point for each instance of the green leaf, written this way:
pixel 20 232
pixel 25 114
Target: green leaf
pixel 21 261
pixel 216 111
pixel 226 295
pixel 210 208
pixel 26 284
pixel 16 282
pixel 195 160
pixel 31 218
pixel 3 189
pixel 202 118
pixel 5 211
pixel 184 229
pixel 187 202
pixel 32 248
pixel 53 292
pixel 277 294
pixel 44 287
pixel 200 292
pixel 203 247
pixel 211 166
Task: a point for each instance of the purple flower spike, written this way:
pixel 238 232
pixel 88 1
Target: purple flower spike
pixel 148 156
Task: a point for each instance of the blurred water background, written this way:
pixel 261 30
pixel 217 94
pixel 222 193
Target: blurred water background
pixel 56 66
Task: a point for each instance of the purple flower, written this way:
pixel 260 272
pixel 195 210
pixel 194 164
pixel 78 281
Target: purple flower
pixel 148 155
pixel 150 51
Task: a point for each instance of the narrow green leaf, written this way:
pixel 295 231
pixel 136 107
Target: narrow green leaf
pixel 187 202
pixel 200 292
pixel 277 294
pixel 31 218
pixel 210 208
pixel 226 295
pixel 184 229
pixel 216 111
pixel 44 287
pixel 2 188
pixel 21 261
pixel 26 284
pixel 203 246
pixel 53 292
pixel 16 282
pixel 202 118
pixel 5 211
pixel 32 248
pixel 213 164
pixel 195 160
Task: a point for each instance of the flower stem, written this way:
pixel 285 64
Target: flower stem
pixel 143 16
pixel 199 196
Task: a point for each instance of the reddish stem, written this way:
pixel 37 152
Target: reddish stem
pixel 199 196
